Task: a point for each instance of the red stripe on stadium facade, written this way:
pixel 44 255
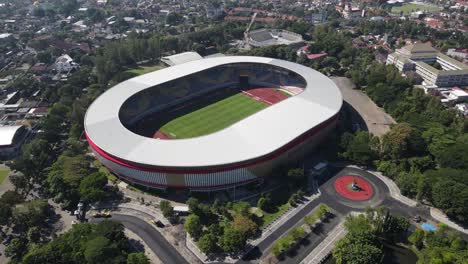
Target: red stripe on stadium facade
pixel 227 167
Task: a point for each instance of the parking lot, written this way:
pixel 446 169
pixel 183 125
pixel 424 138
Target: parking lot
pixel 376 120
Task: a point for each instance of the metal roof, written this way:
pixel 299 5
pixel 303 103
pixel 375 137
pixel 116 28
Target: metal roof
pixel 181 58
pixel 7 134
pixel 250 138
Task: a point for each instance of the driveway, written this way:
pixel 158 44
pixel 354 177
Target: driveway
pixel 158 244
pixel 376 120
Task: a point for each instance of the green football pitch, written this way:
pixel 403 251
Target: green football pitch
pixel 213 117
pixel 408 8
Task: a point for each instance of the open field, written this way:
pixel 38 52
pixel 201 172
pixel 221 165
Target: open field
pixel 408 8
pixel 3 174
pixel 145 69
pixel 213 117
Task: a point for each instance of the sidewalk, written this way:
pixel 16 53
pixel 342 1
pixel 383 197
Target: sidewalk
pixel 324 249
pixel 321 251
pixel 149 212
pixel 441 217
pixel 271 228
pixel 134 195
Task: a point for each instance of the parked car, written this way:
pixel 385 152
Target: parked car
pixel 99 214
pixel 157 223
pixel 7 240
pixel 417 219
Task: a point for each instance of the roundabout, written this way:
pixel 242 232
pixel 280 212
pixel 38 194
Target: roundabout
pixel 353 188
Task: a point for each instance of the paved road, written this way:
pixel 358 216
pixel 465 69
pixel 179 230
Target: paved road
pixel 343 206
pixel 165 251
pixel 376 120
pixel 326 245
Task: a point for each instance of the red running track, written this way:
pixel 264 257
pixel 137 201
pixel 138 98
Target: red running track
pixel 267 95
pixel 343 187
pixel 160 135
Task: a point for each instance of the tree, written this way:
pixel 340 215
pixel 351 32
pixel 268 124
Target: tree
pixel 452 156
pixel 207 243
pixel 297 233
pixel 99 250
pixel 34 213
pixel 11 198
pixel 194 205
pixel 174 19
pixel 245 225
pixel 417 238
pixel 322 211
pixel 83 243
pixel 395 143
pixel 44 57
pixel 34 234
pixel 296 174
pixel 241 208
pixel 310 219
pixel 358 248
pixel 263 203
pixel 7 201
pixel 193 226
pixel 137 258
pixel 233 240
pixel 5 213
pixel 292 201
pixel 166 208
pixel 358 149
pixel 91 187
pixel 16 249
pixel 452 197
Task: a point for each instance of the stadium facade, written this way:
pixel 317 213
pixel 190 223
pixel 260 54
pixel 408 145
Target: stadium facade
pixel 238 154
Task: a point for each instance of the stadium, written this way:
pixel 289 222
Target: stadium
pixel 268 37
pixel 212 123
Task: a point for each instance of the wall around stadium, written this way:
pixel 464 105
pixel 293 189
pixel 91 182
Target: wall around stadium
pixel 220 179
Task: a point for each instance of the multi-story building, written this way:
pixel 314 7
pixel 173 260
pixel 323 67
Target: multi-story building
pixel 435 68
pixel 65 63
pixel 458 53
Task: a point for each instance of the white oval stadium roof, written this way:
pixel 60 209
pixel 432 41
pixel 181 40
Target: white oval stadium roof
pixel 250 138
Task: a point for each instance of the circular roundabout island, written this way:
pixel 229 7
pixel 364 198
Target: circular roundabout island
pixel 354 188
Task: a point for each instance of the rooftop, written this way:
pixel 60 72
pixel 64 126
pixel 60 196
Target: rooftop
pixel 181 58
pixel 7 134
pixel 255 136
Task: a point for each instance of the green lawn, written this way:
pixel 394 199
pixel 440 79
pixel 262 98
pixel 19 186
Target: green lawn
pixel 145 69
pixel 213 117
pixel 408 8
pixel 3 174
pixel 269 217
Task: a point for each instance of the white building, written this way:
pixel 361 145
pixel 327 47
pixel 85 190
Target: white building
pixel 458 53
pixel 422 58
pixel 214 11
pixel 11 140
pixel 454 96
pixel 65 63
